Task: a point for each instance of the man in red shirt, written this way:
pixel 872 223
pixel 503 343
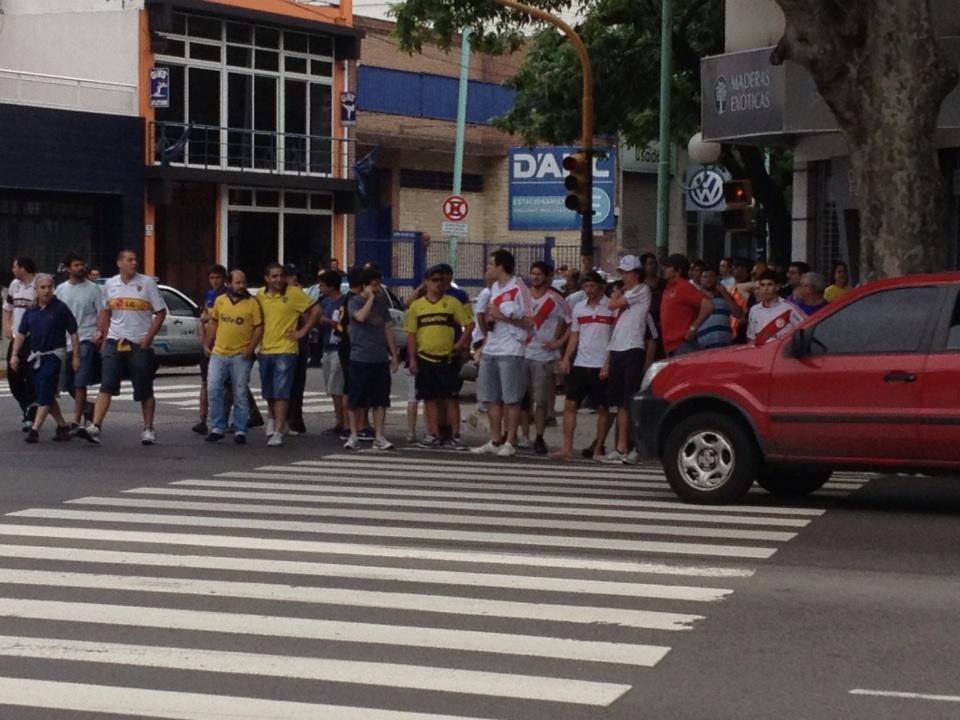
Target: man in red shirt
pixel 683 310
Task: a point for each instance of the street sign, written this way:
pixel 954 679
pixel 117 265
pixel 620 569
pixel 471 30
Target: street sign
pixel 456 229
pixel 455 208
pixel 160 87
pixel 348 109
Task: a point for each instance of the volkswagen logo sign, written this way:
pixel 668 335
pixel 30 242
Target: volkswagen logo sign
pixel 705 189
pixel 720 95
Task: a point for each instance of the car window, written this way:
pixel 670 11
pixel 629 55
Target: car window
pixel 891 321
pixel 953 339
pixel 176 305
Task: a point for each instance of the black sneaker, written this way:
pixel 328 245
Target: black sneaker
pixel 336 431
pixel 551 422
pixel 240 439
pixel 588 452
pixel 297 427
pixel 62 433
pixel 539 446
pixel 367 435
pixel 32 436
pixel 201 429
pixel 214 436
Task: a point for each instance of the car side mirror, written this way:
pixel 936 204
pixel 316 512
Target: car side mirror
pixel 800 343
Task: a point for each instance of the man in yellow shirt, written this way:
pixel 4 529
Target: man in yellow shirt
pixel 235 327
pixel 283 305
pixel 431 325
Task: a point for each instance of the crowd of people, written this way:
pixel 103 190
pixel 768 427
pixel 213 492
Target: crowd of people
pixel 596 337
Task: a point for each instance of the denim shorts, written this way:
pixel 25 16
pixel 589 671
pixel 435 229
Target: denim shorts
pixel 277 371
pixel 136 363
pixel 46 380
pixel 503 378
pixel 89 372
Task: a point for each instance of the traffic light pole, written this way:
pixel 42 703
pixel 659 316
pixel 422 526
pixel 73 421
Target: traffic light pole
pixel 663 166
pixel 586 134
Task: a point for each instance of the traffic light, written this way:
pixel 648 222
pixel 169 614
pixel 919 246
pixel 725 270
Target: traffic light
pixel 577 182
pixel 738 196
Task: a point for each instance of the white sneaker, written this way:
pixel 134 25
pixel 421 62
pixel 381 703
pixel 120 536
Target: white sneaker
pixel 381 443
pixel 276 440
pixel 269 428
pixel 632 458
pixel 89 432
pixel 524 443
pixel 487 448
pixel 506 450
pixel 352 443
pixel 148 436
pixel 613 457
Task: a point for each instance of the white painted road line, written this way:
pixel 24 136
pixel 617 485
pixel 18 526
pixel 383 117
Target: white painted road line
pixel 907 695
pixel 366 572
pixel 169 705
pixel 352 486
pixel 514 509
pixel 349 597
pixel 334 631
pixel 593 471
pixel 240 542
pixel 416 677
pixel 438 518
pixel 475 536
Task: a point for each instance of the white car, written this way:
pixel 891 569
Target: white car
pixel 178 342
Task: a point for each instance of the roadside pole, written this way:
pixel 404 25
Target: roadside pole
pixel 663 167
pixel 586 134
pixel 461 132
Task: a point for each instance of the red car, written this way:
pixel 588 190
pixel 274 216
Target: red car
pixel 872 382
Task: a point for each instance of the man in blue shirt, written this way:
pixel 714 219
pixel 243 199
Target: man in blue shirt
pixel 47 325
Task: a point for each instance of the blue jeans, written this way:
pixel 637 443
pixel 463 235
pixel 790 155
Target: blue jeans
pixel 236 369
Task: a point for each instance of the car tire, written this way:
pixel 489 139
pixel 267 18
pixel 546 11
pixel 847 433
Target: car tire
pixel 710 459
pixel 792 482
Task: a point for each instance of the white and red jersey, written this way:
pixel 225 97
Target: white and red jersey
pixel 765 323
pixel 549 310
pixel 594 324
pixel 513 300
pixel 631 327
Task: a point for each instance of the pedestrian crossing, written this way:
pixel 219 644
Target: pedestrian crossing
pixel 357 586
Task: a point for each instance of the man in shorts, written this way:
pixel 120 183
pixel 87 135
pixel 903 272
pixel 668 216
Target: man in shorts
pixel 283 309
pixel 44 329
pixel 20 295
pixel 432 350
pixel 373 357
pixel 132 316
pixel 626 353
pixel 590 331
pixel 85 300
pixel 551 322
pixel 502 382
pixel 333 307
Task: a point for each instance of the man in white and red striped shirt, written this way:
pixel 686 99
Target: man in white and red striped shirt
pixel 551 321
pixel 590 331
pixel 502 382
pixel 772 316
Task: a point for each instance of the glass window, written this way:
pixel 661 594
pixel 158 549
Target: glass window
pixel 176 305
pixel 321 46
pixel 178 24
pixel 239 33
pixel 321 120
pixel 891 321
pixel 202 51
pixel 295 64
pixel 205 27
pixel 241 197
pixel 239 56
pixel 266 60
pixel 321 202
pixel 268 37
pixel 295 125
pixel 321 67
pixel 953 339
pixel 294 42
pixel 268 198
pixel 173 47
pixel 295 200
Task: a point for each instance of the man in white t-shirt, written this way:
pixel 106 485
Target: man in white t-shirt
pixel 772 316
pixel 503 371
pixel 626 354
pixel 551 321
pixel 22 294
pixel 132 316
pixel 590 331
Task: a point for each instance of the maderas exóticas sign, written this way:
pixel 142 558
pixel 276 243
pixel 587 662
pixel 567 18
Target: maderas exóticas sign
pixel 537 192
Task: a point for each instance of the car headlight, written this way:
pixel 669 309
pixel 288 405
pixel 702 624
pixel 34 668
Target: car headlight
pixel 651 373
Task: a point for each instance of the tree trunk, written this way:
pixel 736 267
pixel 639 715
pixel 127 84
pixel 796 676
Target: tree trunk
pixel 879 66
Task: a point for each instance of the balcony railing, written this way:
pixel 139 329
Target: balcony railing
pixel 210 147
pixel 68 93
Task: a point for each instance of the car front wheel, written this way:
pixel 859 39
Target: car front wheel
pixel 709 458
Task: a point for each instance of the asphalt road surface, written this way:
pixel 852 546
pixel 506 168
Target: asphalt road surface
pixel 193 581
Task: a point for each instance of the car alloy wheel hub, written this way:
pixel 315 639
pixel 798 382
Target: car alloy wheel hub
pixel 706 460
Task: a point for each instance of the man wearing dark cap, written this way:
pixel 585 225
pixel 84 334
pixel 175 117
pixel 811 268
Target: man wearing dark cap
pixel 684 308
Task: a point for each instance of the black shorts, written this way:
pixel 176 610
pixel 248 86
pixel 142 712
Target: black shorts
pixel 626 374
pixel 131 361
pixel 583 383
pixel 369 385
pixel 438 380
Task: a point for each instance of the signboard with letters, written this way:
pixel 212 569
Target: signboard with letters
pixel 537 192
pixel 160 87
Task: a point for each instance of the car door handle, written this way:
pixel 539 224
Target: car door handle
pixel 178 322
pixel 900 376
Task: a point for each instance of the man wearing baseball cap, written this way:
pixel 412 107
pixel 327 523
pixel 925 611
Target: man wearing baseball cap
pixel 626 352
pixel 683 310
